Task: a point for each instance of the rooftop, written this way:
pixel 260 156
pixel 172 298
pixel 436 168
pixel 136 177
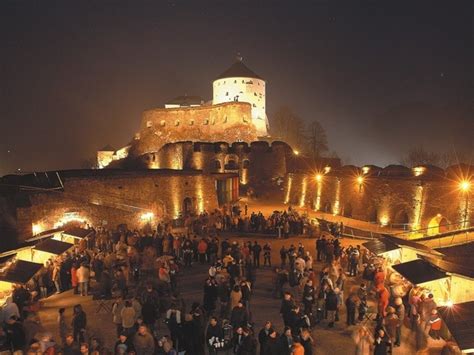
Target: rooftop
pixel 419 271
pixel 185 100
pixel 239 70
pixel 460 321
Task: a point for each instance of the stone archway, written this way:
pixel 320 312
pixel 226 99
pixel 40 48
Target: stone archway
pixel 401 218
pixel 347 212
pixel 372 215
pixel 188 206
pixel 327 208
pixel 438 225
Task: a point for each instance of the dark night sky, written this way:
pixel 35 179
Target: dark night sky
pixel 381 76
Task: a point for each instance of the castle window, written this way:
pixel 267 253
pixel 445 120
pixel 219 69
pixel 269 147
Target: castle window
pixel 245 164
pixel 217 164
pixel 225 119
pixel 213 120
pixel 206 122
pixel 254 94
pixel 244 119
pixel 148 124
pixel 235 81
pixel 162 123
pixel 243 81
pixel 254 105
pixel 191 122
pixel 176 123
pixel 227 93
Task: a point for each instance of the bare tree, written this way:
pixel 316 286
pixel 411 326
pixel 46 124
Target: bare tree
pixel 288 127
pixel 419 156
pixel 316 139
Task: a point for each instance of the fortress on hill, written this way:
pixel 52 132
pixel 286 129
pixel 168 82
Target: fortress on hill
pixel 191 156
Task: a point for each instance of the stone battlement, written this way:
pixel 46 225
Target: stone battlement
pixel 228 122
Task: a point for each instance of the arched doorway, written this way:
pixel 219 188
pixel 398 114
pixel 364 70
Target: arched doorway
pixel 372 215
pixel 188 206
pixel 327 207
pixel 437 225
pixel 401 218
pixel 347 210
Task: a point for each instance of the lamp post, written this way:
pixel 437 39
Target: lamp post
pixel 465 187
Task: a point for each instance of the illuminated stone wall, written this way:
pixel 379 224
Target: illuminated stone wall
pixel 257 163
pixel 391 196
pixel 227 122
pixel 118 197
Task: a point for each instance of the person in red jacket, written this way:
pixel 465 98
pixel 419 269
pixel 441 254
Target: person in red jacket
pixel 74 282
pixel 379 278
pixel 202 249
pixel 435 323
pixel 383 300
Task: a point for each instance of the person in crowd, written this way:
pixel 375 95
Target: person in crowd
pixel 307 341
pixel 143 342
pixel 364 341
pixel 264 335
pixel 124 345
pixel 286 342
pixel 214 336
pixel 79 323
pixel 382 344
pixel 83 275
pixel 63 329
pixel 435 323
pixel 128 316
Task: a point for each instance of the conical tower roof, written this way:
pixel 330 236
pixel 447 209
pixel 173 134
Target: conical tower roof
pixel 239 70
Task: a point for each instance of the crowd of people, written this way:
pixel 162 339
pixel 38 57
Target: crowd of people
pixel 140 273
pixel 279 223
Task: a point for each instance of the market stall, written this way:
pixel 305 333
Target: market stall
pixel 459 319
pixel 428 277
pixel 13 272
pixel 45 250
pixel 74 235
pixel 462 276
pixel 384 248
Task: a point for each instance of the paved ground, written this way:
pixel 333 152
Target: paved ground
pixel 263 306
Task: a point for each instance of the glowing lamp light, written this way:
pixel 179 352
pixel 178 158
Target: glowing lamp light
pixel 384 221
pixel 296 152
pixel 465 185
pixel 449 303
pixel 365 170
pixel 319 177
pixel 360 180
pixel 419 170
pixel 36 229
pixel 147 216
pixel 327 169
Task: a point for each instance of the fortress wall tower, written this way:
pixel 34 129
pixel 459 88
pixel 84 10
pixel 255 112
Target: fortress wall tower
pixel 239 83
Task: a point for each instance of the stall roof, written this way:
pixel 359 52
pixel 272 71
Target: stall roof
pixel 53 246
pixel 77 232
pixel 44 234
pixel 380 246
pixel 459 319
pixel 412 244
pixel 451 265
pixel 21 272
pixel 419 271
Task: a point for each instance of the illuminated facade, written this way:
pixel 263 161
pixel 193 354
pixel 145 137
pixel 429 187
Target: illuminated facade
pixel 235 114
pixel 425 201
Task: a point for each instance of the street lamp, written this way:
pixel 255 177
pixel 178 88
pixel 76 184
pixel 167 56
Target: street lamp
pixel 465 185
pixel 319 177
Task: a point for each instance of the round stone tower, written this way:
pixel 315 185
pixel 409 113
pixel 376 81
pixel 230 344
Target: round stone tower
pixel 239 83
